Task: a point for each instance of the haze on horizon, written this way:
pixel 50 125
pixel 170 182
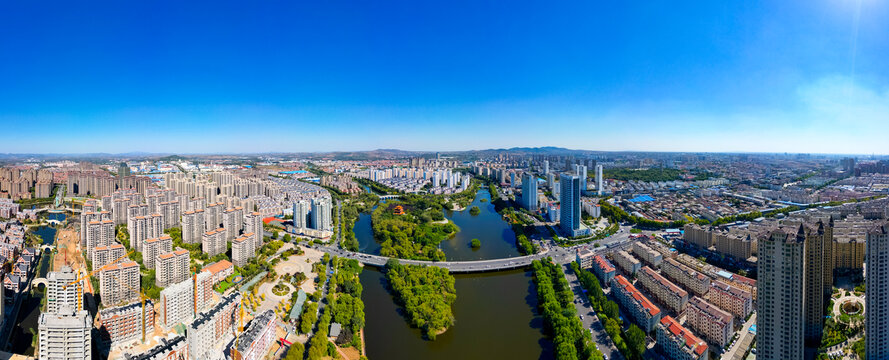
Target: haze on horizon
pixel 231 77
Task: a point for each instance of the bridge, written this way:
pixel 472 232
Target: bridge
pixel 560 255
pixel 389 197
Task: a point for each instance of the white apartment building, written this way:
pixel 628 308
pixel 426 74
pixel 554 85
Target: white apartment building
pixel 176 304
pixel 172 267
pixel 63 290
pixel 151 248
pixel 65 335
pixel 119 283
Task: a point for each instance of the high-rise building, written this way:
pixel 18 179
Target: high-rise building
pixel 242 250
pixel 99 233
pixel 301 211
pixel 192 226
pixel 877 299
pixel 63 290
pixel 104 255
pixel 599 180
pixel 172 267
pixel 569 217
pixel 818 278
pixel 581 172
pixel 206 334
pixel 176 303
pixel 151 248
pixel 529 191
pixel 65 334
pixel 258 338
pixel 119 283
pixel 780 318
pixel 253 224
pixel 321 209
pixel 213 242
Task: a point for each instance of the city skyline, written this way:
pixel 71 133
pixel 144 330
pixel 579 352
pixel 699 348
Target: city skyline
pixel 797 77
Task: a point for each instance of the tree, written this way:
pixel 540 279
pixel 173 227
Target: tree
pixel 636 340
pixel 308 317
pixel 296 352
pixel 611 309
pixel 474 211
pixel 476 243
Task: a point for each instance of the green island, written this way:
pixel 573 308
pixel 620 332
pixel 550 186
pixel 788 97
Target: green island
pixel 474 211
pixel 555 300
pixel 412 228
pixel 426 293
pixel 475 243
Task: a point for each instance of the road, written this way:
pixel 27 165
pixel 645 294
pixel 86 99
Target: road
pixel 589 319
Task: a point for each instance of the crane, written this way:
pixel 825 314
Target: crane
pixel 80 278
pixel 142 299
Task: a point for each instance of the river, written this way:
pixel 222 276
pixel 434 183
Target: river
pixel 29 313
pixel 496 316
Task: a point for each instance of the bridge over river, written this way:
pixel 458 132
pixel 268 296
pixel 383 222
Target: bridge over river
pixel 560 255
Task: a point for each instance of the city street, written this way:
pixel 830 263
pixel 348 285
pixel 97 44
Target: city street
pixel 589 319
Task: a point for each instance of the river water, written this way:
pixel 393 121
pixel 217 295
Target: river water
pixel 29 314
pixel 495 313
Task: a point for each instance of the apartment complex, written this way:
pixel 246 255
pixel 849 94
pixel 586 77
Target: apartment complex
pixel 626 262
pixel 716 325
pixel 877 300
pixel 207 331
pixel 213 242
pixel 529 191
pixel 678 343
pixel 172 267
pixel 192 226
pixel 63 290
pixel 258 338
pixel 603 269
pixel 643 312
pixel 242 250
pixel 65 335
pixel 779 320
pixel 584 258
pixel 124 325
pixel 647 254
pixel 104 255
pixel 176 304
pixel 173 349
pixel 151 248
pixel 698 283
pixel 733 299
pixel 219 270
pixel 119 283
pixel 666 292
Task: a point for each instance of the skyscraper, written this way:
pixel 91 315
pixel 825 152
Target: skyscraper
pixel 59 294
pixel 818 278
pixel 581 172
pixel 877 285
pixel 569 217
pixel 780 295
pixel 599 180
pixel 529 192
pixel 65 334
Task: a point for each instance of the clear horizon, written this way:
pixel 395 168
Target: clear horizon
pixel 167 77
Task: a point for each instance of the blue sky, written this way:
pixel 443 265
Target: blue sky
pixel 219 76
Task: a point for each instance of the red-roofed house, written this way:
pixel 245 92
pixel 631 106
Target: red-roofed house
pixel 678 343
pixel 643 311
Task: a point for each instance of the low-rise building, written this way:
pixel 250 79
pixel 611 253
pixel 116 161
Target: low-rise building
pixel 219 270
pixel 730 298
pixel 666 292
pixel 705 318
pixel 643 312
pixel 647 254
pixel 603 269
pixel 626 262
pixel 678 343
pixel 698 283
pixel 173 349
pixel 123 325
pixel 584 258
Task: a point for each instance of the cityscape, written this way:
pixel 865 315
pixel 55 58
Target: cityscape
pixel 466 180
